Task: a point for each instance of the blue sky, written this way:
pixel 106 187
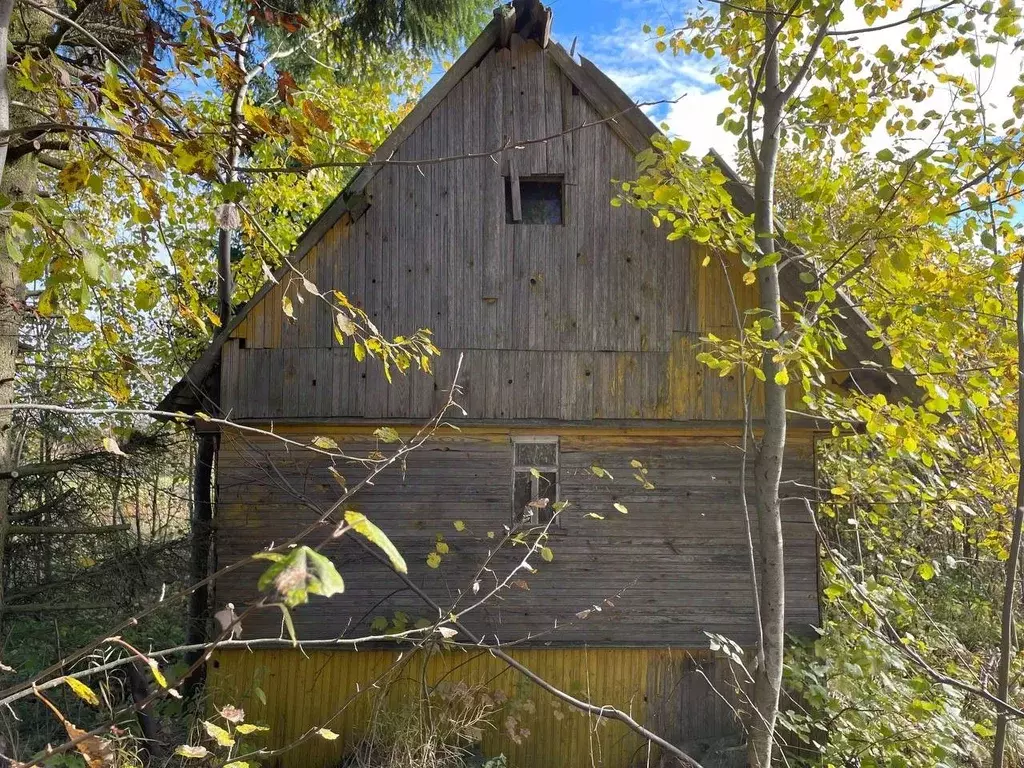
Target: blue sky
pixel 611 35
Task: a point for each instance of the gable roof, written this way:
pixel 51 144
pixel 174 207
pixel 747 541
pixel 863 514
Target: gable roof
pixel 531 20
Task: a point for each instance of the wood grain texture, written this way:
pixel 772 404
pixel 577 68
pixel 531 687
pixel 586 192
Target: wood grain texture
pixel 671 569
pixel 685 695
pixel 600 317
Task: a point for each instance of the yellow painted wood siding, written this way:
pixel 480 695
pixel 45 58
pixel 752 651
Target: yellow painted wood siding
pixel 670 691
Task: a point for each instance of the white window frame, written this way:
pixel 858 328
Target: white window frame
pixel 518 440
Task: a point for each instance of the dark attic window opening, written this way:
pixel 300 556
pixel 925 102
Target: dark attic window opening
pixel 534 199
pixel 534 480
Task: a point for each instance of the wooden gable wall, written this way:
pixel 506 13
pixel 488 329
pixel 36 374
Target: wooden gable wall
pixel 597 319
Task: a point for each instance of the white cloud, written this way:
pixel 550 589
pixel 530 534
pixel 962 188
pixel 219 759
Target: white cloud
pixel 628 56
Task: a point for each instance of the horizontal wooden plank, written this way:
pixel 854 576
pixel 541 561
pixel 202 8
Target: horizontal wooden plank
pixel 678 557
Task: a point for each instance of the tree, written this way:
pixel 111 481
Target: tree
pixel 798 77
pixel 119 120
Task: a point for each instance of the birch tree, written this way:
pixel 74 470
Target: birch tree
pixel 828 81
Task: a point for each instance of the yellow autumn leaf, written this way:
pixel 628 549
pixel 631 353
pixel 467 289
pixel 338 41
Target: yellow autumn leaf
pixel 82 691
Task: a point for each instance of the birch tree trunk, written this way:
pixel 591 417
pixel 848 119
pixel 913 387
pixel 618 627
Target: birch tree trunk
pixel 768 461
pixel 1012 562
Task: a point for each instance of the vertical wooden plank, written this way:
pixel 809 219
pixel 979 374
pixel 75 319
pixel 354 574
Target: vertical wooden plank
pixel 230 366
pixel 324 378
pixel 513 186
pixel 587 275
pixel 530 113
pixel 506 60
pixel 468 128
pixel 255 324
pixel 494 298
pixel 638 307
pixel 370 372
pixel 273 318
pixel 553 110
pixel 323 278
pixel 336 359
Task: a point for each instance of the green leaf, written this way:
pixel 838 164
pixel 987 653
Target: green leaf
pixel 834 591
pixel 91 264
pixel 459 525
pixel 621 508
pixel 81 324
pixel 546 554
pixel 286 616
pixel 433 560
pixel 983 730
pixel 926 571
pixel 325 443
pixel 361 525
pixel 299 574
pixel 782 377
pixel 326 733
pixel 386 434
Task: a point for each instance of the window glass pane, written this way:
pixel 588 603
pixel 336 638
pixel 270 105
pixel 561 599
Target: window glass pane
pixel 540 200
pixel 536 454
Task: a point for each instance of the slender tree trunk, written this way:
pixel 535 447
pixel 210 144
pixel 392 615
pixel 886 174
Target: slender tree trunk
pixel 202 534
pixel 1007 639
pixel 18 184
pixel 202 506
pixel 768 462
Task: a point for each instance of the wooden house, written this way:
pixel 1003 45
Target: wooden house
pixel 578 324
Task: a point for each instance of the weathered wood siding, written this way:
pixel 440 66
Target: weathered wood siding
pixel 599 318
pixel 685 696
pixel 673 568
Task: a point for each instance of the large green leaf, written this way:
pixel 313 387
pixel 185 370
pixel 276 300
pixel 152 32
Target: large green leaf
pixel 298 574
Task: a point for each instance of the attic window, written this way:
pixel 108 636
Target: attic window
pixel 534 199
pixel 534 479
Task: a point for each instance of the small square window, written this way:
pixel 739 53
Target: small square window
pixel 534 199
pixel 534 480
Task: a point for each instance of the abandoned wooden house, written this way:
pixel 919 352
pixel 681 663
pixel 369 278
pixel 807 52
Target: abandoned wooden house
pixel 579 325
